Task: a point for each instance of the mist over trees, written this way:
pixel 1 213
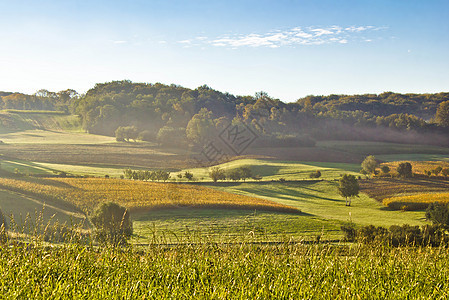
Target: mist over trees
pixel 174 115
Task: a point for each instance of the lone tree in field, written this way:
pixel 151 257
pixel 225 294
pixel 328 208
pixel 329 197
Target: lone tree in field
pixel 216 174
pixel 349 187
pixel 112 223
pixel 405 170
pixel 370 164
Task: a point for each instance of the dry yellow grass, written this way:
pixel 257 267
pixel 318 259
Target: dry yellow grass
pixel 415 202
pixel 87 193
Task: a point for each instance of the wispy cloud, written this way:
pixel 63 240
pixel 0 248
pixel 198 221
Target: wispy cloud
pixel 292 37
pixel 120 42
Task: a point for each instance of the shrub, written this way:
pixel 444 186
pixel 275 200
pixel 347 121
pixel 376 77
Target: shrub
pixel 349 231
pixel 438 213
pixel 369 234
pixel 146 135
pixel 385 169
pixel 445 172
pixel 112 223
pixel 405 235
pixel 316 174
pixel 437 170
pixel 188 175
pixel 3 228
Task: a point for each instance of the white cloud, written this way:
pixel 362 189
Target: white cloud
pixel 321 31
pixel 120 42
pixel 290 37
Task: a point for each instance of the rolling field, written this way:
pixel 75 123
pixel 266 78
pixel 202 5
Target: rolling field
pixel 21 209
pixel 381 188
pixel 118 155
pixel 87 193
pixel 38 136
pixel 416 202
pixel 274 170
pixel 321 200
pixel 23 120
pixel 229 225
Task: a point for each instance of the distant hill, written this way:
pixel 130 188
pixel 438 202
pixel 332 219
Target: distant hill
pixel 172 114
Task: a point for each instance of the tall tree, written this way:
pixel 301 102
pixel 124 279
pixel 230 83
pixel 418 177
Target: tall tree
pixel 405 170
pixel 349 187
pixel 370 164
pixel 442 115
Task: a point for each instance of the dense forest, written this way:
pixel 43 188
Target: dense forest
pixel 173 114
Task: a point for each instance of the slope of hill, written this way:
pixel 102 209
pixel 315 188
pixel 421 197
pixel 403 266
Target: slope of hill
pixel 20 120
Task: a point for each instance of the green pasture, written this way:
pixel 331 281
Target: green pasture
pixel 18 120
pixel 275 170
pixel 229 225
pixel 321 200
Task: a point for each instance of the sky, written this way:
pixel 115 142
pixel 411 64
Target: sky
pixel 287 48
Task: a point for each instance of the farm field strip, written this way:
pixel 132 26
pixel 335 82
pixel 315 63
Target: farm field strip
pixel 381 188
pixel 275 169
pixel 418 201
pixel 87 193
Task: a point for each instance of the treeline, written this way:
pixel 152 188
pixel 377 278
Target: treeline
pixel 41 100
pixel 174 115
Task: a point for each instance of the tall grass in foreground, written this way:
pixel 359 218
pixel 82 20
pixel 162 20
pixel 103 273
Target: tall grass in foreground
pixel 223 271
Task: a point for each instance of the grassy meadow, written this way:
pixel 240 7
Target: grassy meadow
pixel 274 170
pixel 321 199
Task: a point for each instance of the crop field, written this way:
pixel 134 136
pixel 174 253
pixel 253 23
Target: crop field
pixel 415 202
pixel 321 200
pixel 222 271
pixel 381 188
pixel 420 167
pixel 119 155
pixel 274 170
pixel 87 193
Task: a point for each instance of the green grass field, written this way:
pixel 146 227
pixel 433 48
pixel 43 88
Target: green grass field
pixel 220 225
pixel 274 169
pixel 22 120
pixel 321 200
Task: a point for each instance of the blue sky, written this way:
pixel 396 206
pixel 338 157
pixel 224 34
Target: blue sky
pixel 287 48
